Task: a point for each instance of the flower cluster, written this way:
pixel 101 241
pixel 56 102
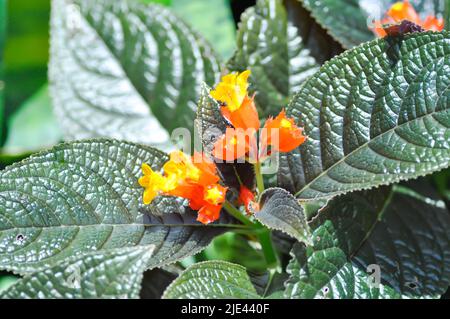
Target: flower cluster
pixel 194 178
pixel 280 134
pixel 403 10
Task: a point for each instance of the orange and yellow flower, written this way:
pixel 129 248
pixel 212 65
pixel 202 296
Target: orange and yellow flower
pixel 281 133
pixel 194 178
pixel 239 109
pixel 247 198
pixel 403 10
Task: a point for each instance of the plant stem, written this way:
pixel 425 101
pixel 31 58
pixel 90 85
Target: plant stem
pixel 270 255
pixel 236 213
pixel 259 178
pixel 262 233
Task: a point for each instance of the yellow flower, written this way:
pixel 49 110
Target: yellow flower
pixel 181 167
pixel 215 194
pixel 232 90
pixel 152 182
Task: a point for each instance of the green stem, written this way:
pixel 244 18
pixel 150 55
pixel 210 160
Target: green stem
pixel 262 233
pixel 236 213
pixel 259 178
pixel 270 255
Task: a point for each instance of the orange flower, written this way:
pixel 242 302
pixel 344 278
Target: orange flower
pixel 194 178
pixel 432 23
pixel 245 117
pixel 234 144
pixel 208 201
pixel 247 198
pixel 403 10
pixel 282 134
pixel 400 11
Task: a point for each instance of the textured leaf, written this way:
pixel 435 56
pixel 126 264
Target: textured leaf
pixel 281 211
pixel 415 234
pixel 333 16
pixel 112 61
pixel 270 47
pixel 84 196
pixel 211 125
pixel 108 274
pixel 402 245
pixel 212 280
pixel 375 115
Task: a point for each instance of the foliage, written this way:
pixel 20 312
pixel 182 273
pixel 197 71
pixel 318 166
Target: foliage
pixel 348 214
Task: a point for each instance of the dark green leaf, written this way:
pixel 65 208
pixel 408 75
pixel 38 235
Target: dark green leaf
pixel 270 47
pixel 334 15
pixel 315 38
pixel 108 274
pixel 281 211
pixel 409 246
pixel 375 115
pixel 155 282
pixel 270 286
pixel 84 196
pixel 212 280
pixel 111 62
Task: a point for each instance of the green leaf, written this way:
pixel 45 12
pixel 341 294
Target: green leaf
pixel 210 126
pixel 115 66
pixel 212 280
pixel 280 210
pixel 334 15
pixel 270 47
pixel 315 38
pixel 405 237
pixel 84 196
pixel 374 115
pixel 33 126
pixel 213 19
pixel 108 274
pixel 414 233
